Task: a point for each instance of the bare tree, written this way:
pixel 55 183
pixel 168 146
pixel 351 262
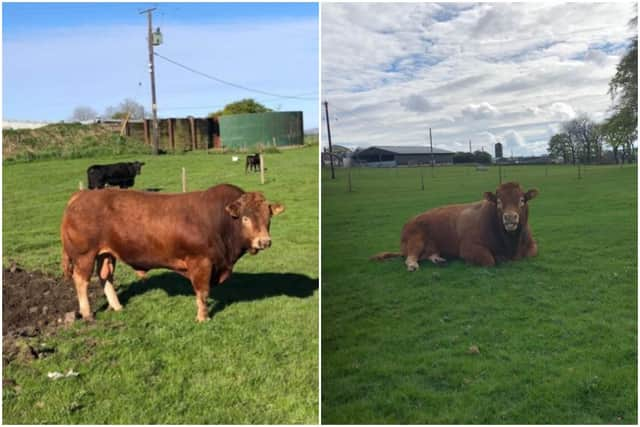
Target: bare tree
pixel 82 113
pixel 560 146
pixel 127 107
pixel 585 138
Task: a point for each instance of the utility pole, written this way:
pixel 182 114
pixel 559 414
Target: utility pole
pixel 431 144
pixel 469 145
pixel 326 111
pixel 154 105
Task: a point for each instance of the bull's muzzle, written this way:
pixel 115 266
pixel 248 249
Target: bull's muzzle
pixel 262 243
pixel 510 221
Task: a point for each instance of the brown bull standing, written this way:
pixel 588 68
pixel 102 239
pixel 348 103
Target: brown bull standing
pixel 492 230
pixel 199 235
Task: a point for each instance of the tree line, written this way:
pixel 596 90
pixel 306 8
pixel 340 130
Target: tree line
pixel 581 140
pixel 135 110
pixel 127 108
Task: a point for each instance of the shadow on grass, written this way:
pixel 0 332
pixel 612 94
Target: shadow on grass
pixel 239 287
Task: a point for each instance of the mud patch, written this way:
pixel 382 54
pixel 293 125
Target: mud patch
pixel 35 304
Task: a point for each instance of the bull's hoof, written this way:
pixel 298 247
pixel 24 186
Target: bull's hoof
pixel 436 259
pixel 202 319
pixel 89 319
pixel 412 266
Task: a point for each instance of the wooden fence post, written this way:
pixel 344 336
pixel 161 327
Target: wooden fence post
pixel 192 127
pixel 421 178
pixel 261 169
pixel 350 180
pixel 184 180
pixel 172 140
pixel 145 124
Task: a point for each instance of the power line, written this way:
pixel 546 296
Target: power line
pixel 231 83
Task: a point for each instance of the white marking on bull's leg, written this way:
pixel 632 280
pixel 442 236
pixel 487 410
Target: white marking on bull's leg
pixel 112 296
pixel 412 263
pixel 83 300
pixel 436 259
pixel 201 300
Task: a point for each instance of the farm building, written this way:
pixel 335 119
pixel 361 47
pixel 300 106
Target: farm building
pixel 230 131
pixel 383 155
pixel 248 130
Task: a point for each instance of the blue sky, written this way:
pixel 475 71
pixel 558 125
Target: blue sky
pixel 485 72
pixel 57 56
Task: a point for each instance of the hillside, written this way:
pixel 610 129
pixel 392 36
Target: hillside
pixel 66 140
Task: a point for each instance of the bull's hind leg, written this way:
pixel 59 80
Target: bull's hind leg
pixel 413 250
pixel 436 259
pixel 419 248
pixel 106 266
pixel 82 269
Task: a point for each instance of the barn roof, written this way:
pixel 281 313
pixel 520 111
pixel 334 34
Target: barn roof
pixel 414 149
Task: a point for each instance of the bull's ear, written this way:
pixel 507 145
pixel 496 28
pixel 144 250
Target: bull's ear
pixel 233 209
pixel 276 209
pixel 531 194
pixel 488 195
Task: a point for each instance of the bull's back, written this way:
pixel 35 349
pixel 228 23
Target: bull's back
pixel 142 229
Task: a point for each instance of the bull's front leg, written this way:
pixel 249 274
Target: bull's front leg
pixel 200 275
pixel 477 254
pixel 530 250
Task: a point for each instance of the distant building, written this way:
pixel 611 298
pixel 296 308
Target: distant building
pixel 384 155
pixel 22 124
pixel 340 155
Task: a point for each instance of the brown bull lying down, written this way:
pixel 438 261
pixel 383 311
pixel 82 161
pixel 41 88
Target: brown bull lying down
pixel 199 235
pixel 492 230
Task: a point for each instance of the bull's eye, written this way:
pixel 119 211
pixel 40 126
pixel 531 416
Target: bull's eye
pixel 245 219
pixel 521 201
pixel 499 204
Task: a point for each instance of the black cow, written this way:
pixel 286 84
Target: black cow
pixel 252 163
pixel 120 174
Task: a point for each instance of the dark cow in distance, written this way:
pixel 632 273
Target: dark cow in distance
pixel 252 163
pixel 116 174
pixel 199 235
pixel 492 230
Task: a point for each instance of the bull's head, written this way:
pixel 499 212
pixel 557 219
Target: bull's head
pixel 137 166
pixel 255 213
pixel 511 205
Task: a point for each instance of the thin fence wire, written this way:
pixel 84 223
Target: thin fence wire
pixel 417 179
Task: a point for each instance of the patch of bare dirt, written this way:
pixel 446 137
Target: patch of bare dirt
pixel 35 304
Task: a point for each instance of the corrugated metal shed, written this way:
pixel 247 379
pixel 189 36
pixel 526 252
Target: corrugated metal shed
pixel 404 155
pixel 249 130
pixel 413 149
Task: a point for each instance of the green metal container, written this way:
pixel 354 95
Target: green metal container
pixel 266 129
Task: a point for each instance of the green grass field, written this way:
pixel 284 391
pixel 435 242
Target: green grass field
pixel 557 334
pixel 256 361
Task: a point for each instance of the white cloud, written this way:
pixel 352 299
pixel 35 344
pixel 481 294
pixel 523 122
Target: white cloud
pixel 392 70
pixel 418 104
pixel 562 111
pixel 596 56
pixel 481 111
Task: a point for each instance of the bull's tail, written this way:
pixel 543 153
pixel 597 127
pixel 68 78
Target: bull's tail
pixel 67 265
pixel 385 255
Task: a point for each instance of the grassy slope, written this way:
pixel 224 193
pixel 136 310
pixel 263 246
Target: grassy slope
pixel 254 362
pixel 557 334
